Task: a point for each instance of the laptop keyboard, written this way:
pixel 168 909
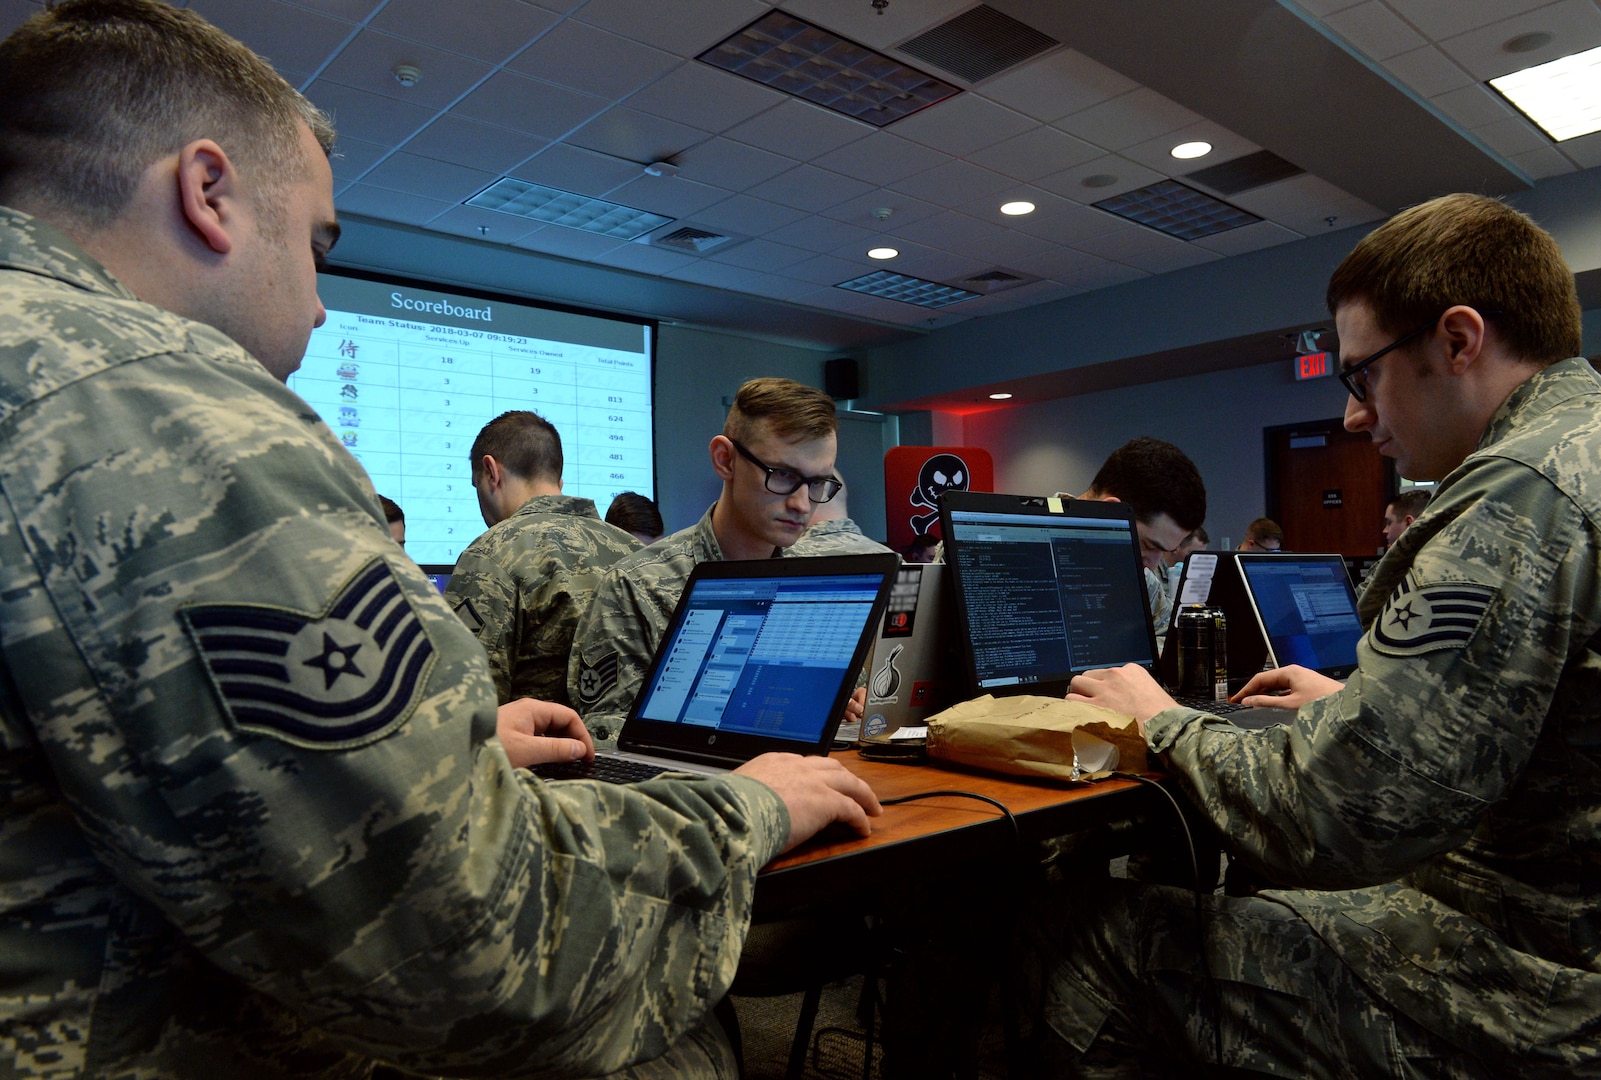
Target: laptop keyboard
pixel 612 770
pixel 1216 708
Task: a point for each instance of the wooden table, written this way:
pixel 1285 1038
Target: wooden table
pixel 935 836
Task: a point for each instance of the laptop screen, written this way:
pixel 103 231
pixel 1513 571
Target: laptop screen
pixel 1045 595
pixel 1307 609
pixel 761 655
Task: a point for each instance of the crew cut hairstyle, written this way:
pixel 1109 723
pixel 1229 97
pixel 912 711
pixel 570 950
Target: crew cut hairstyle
pixel 1410 503
pixel 96 91
pixel 1264 529
pixel 1154 477
pixel 1473 250
pixel 524 443
pixel 793 411
pixel 632 512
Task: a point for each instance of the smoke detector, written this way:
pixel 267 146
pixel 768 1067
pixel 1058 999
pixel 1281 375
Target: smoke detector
pixel 407 75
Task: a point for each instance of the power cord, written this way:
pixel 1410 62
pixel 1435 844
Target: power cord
pixel 1017 835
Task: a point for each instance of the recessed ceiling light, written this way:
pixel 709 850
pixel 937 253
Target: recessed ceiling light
pixel 882 253
pixel 1562 96
pixel 1018 208
pixel 907 289
pixel 509 195
pixel 1000 397
pixel 1188 150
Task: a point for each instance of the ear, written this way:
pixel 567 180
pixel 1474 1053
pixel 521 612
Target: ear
pixel 1462 334
pixel 208 193
pixel 722 451
pixel 491 470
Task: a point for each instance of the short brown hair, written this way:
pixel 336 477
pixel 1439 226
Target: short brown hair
pixel 98 90
pixel 1410 503
pixel 791 410
pixel 525 443
pixel 1264 529
pixel 1472 250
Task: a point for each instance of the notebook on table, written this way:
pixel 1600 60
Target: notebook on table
pixel 758 656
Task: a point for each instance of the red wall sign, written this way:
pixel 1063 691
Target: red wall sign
pixel 1313 366
pixel 914 476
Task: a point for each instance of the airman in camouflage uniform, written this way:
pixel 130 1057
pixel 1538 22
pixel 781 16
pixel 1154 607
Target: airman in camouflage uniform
pixel 522 585
pixel 776 459
pixel 254 824
pixel 1431 828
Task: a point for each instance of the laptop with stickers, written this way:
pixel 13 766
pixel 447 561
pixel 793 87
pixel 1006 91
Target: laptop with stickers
pixel 913 665
pixel 758 656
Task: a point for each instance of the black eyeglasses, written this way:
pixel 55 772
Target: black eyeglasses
pixel 819 489
pixel 1359 387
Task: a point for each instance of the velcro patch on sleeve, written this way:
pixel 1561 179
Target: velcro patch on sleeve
pixel 468 614
pixel 595 679
pixel 342 678
pixel 1420 619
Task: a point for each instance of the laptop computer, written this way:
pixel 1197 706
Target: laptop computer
pixel 1303 608
pixel 439 574
pixel 1213 578
pixel 758 656
pixel 911 668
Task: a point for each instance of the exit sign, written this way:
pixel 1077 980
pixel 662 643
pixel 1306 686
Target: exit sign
pixel 1313 366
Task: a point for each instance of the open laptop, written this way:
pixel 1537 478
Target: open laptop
pixel 1304 609
pixel 1213 578
pixel 758 656
pixel 911 671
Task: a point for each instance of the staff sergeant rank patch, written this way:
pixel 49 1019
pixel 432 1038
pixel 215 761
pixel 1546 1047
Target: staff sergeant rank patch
pixel 1420 619
pixel 343 678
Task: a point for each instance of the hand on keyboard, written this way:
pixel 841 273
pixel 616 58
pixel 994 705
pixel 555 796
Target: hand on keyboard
pixel 1288 687
pixel 535 731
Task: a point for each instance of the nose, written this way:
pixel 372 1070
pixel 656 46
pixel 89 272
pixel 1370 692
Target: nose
pixel 1358 414
pixel 799 502
pixel 1151 559
pixel 322 313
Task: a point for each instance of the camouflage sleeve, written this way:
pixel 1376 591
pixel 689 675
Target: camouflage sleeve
pixel 612 649
pixel 1456 675
pixel 273 732
pixel 484 597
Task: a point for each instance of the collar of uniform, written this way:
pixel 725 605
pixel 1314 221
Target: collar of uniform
pixel 35 246
pixel 1539 393
pixel 559 504
pixel 706 538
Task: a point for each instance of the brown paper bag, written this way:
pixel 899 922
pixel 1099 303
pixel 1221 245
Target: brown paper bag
pixel 1036 736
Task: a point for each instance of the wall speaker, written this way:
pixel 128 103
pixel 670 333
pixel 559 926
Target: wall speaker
pixel 840 379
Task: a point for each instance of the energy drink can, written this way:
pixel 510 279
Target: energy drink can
pixel 1203 653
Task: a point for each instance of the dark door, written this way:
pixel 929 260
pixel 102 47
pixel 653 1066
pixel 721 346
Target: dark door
pixel 1327 487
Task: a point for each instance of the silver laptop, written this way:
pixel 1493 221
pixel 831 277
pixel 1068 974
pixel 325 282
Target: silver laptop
pixel 913 664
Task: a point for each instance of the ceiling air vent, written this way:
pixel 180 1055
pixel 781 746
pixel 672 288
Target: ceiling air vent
pixel 994 281
pixel 977 44
pixel 1245 173
pixel 694 241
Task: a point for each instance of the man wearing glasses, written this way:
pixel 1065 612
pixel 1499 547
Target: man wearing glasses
pixel 776 460
pixel 1431 828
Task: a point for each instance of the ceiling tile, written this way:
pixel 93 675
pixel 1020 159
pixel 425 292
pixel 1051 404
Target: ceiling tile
pixel 569 243
pixel 1103 276
pixel 1128 120
pixel 948 231
pixel 1170 256
pixel 778 288
pixel 1575 25
pixel 487 29
pixel 686 27
pixel 1375 30
pixel 819 234
pixel 1428 71
pixel 1547 161
pixel 469 142
pixel 352 157
pixel 528 105
pixel 1061 221
pixel 1474 106
pixel 1585 150
pixel 644 259
pixel 826 269
pixel 595 61
pixel 1128 176
pixel 473 221
pixel 810 189
pixel 1441 19
pixel 368 63
pixel 1005 247
pixel 1125 242
pixel 718 275
pixel 635 136
pixel 571 168
pixel 941 266
pixel 952 184
pixel 704 97
pixel 1034 154
pixel 675 197
pixel 288 37
pixel 1263 234
pixel 429 178
pixel 1322 8
pixel 761 255
pixel 389 205
pixel 1512 136
pixel 1305 203
pixel 876 28
pixel 731 165
pixel 1058 264
pixel 881 158
pixel 367 116
pixel 799 129
pixel 752 217
pixel 1157 153
pixel 860 210
pixel 1055 85
pixel 349 10
pixel 961 124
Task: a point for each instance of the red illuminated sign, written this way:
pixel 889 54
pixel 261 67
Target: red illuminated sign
pixel 1313 366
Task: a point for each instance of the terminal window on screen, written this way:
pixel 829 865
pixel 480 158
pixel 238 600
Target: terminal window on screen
pixel 762 656
pixel 1049 596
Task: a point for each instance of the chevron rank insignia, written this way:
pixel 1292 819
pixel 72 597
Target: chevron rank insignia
pixel 343 678
pixel 1420 619
pixel 597 678
pixel 468 614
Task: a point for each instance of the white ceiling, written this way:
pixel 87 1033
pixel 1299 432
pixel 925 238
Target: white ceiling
pixel 580 95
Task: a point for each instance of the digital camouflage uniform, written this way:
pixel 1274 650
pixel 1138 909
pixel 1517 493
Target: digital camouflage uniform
pixel 522 585
pixel 838 536
pixel 1453 788
pixel 253 819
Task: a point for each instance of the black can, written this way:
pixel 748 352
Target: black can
pixel 1203 653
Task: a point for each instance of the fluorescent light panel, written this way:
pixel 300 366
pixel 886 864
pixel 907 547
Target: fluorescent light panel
pixel 1177 210
pixel 907 289
pixel 806 61
pixel 1563 96
pixel 519 198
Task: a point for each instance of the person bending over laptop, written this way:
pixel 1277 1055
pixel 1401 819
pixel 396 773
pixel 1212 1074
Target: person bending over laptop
pixel 1433 826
